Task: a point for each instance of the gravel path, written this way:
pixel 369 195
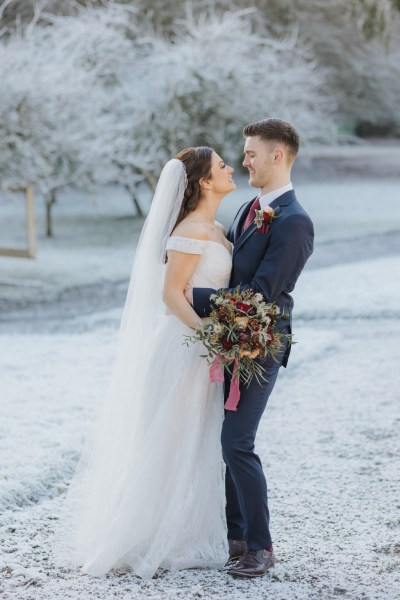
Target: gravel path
pixel 329 442
pixel 330 446
pixel 329 439
pixel 55 314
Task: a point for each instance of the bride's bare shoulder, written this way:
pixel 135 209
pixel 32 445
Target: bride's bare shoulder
pixel 191 229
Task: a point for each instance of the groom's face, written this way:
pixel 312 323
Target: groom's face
pixel 259 158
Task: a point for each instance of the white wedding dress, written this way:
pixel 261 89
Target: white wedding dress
pixel 164 503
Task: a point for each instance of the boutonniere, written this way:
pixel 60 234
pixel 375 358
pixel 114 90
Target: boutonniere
pixel 264 218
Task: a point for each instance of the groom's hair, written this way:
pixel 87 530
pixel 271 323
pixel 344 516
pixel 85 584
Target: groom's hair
pixel 276 130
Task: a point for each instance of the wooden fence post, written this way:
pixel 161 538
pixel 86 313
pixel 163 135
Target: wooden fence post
pixel 30 251
pixel 30 221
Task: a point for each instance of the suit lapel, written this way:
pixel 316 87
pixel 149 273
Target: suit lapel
pixel 239 221
pixel 241 236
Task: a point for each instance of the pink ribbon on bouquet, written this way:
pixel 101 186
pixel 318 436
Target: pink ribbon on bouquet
pixel 217 374
pixel 216 370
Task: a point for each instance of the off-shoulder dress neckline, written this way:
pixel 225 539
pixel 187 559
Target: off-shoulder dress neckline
pixel 181 237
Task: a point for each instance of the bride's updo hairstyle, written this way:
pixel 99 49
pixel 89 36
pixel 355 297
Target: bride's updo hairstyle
pixel 197 163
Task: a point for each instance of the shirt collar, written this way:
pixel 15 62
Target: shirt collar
pixel 269 197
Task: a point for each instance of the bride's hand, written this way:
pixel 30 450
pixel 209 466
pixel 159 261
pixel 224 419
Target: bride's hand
pixel 206 321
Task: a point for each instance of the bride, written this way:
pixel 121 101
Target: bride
pixel 150 493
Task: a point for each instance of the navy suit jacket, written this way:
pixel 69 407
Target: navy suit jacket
pixel 268 263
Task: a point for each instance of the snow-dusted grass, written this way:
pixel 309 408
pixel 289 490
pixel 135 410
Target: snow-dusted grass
pixel 95 235
pixel 329 439
pixel 94 240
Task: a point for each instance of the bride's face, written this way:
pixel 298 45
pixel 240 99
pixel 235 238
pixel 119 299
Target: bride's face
pixel 221 181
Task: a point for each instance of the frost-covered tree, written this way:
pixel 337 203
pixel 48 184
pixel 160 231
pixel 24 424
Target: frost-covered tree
pixel 215 74
pixel 357 42
pixel 105 45
pixel 99 44
pixel 39 132
pixel 55 106
pixel 102 94
pixel 110 101
pixel 374 15
pixel 25 128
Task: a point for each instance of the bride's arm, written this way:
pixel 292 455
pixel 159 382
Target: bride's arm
pixel 178 272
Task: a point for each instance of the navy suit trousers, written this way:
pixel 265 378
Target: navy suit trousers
pixel 269 264
pixel 247 511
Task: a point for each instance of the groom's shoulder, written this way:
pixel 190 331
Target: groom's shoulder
pixel 296 218
pixel 295 208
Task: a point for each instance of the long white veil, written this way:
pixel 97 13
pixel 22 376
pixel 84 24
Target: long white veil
pixel 97 488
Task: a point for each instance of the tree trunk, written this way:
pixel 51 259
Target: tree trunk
pixel 135 201
pixel 139 211
pixel 50 201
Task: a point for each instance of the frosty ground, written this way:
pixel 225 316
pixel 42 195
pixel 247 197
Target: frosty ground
pixel 329 439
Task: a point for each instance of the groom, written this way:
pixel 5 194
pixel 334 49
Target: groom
pixel 269 263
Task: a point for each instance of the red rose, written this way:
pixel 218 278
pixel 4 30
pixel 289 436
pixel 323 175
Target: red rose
pixel 267 217
pixel 227 344
pixel 244 307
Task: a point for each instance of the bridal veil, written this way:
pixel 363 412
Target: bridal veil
pixel 97 488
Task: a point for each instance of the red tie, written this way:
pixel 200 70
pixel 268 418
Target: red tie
pixel 252 213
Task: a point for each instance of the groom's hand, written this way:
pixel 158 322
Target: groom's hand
pixel 188 292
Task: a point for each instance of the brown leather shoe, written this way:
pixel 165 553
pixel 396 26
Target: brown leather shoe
pixel 237 549
pixel 255 563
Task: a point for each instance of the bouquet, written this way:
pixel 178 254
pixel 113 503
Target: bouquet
pixel 240 330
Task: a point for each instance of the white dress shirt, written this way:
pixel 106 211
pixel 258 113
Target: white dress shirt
pixel 267 198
